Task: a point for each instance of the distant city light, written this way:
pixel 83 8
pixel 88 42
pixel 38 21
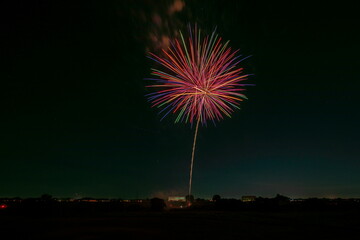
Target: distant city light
pixel 248 198
pixel 3 206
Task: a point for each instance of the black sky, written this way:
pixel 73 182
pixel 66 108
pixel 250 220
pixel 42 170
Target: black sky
pixel 75 121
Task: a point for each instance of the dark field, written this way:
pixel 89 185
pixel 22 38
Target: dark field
pixel 186 225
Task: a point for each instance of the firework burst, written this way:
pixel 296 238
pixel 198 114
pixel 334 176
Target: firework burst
pixel 201 80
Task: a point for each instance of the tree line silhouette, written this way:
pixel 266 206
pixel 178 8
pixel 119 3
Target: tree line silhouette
pixel 46 205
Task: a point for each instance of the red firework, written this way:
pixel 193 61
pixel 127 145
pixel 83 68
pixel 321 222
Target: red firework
pixel 201 81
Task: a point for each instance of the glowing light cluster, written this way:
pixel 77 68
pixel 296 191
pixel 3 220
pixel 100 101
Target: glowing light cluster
pixel 201 79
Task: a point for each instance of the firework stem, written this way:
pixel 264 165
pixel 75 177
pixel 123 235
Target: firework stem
pixel 192 160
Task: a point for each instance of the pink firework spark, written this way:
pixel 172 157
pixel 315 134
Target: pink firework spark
pixel 202 80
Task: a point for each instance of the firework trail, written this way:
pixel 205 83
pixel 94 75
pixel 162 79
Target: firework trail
pixel 201 81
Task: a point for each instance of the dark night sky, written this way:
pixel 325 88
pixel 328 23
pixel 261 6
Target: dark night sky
pixel 75 121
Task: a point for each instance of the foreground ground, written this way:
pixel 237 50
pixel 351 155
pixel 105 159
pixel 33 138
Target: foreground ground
pixel 186 225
